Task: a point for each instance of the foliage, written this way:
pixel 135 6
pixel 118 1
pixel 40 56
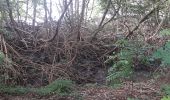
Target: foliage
pixel 166 89
pixel 124 60
pixel 165 32
pixel 166 98
pixel 163 54
pixel 61 87
pixel 13 89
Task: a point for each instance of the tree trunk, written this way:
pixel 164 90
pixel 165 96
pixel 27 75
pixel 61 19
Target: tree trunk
pixel 45 10
pixel 26 13
pixel 34 16
pixel 81 20
pixel 10 12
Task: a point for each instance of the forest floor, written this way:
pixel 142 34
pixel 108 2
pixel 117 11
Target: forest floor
pixel 143 87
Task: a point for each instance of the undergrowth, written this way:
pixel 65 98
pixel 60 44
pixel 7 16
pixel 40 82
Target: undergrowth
pixel 163 53
pixel 13 89
pixel 166 98
pixel 61 87
pixel 124 60
pixel 131 56
pixel 166 89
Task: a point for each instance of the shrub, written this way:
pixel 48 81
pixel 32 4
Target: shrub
pixel 165 32
pixel 166 89
pixel 166 98
pixel 123 65
pixel 163 53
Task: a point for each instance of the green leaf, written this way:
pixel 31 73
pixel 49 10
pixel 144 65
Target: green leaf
pixel 166 89
pixel 166 98
pixel 163 53
pixel 165 32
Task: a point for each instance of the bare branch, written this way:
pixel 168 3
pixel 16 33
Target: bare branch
pixel 100 27
pixel 142 20
pixel 59 22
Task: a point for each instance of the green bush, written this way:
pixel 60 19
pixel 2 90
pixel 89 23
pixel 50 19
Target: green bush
pixel 123 65
pixel 166 89
pixel 166 98
pixel 164 32
pixel 163 53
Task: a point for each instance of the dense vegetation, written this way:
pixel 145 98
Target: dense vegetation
pixel 63 47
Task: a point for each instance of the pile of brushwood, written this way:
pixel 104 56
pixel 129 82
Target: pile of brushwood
pixel 36 56
pixel 28 59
